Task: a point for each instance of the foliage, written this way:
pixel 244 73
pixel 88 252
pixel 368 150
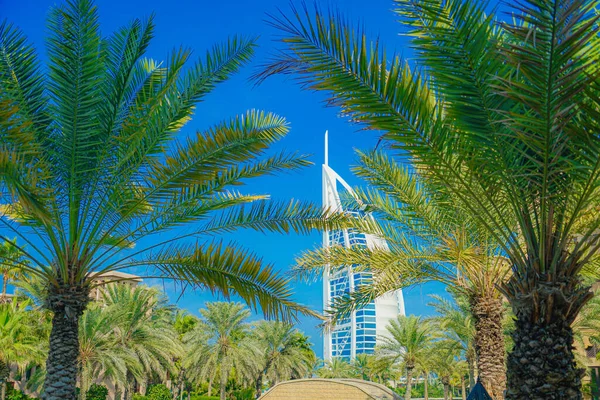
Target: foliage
pixel 503 116
pixel 216 345
pixel 281 352
pixel 15 394
pixel 335 368
pixel 97 392
pixel 97 174
pixel 159 392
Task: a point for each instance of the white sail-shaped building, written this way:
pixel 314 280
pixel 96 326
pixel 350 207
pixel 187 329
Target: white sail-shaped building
pixel 359 333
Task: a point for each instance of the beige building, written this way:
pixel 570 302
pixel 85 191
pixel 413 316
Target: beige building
pixel 329 389
pixel 113 277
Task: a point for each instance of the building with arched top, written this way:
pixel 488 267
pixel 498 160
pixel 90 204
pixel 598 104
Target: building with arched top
pixel 359 333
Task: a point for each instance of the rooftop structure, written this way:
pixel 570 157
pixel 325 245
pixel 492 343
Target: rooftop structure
pixel 329 389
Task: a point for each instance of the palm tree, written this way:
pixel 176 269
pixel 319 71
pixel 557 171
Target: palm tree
pixel 457 326
pixel 428 238
pixel 502 115
pixel 100 355
pixel 362 366
pixel 283 352
pixel 219 343
pixel 445 363
pixel 407 343
pixel 143 332
pixel 11 259
pixel 19 344
pixel 90 166
pixel 335 368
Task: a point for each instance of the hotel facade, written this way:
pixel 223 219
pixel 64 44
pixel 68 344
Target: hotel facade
pixel 357 334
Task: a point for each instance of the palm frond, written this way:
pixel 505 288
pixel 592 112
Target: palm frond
pixel 228 270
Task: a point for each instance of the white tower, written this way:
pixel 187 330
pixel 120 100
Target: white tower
pixel 358 333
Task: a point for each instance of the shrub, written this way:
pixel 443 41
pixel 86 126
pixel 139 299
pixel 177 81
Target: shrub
pixel 159 392
pixel 15 394
pixel 196 397
pixel 244 394
pixel 97 392
pixel 137 396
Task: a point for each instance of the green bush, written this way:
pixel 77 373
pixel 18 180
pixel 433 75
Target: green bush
pixel 97 392
pixel 137 396
pixel 159 392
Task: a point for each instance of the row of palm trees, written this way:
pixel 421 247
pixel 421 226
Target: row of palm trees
pixel 132 337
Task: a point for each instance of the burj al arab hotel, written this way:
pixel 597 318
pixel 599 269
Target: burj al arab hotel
pixel 359 333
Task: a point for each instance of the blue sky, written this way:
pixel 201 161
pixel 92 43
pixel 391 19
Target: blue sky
pixel 198 24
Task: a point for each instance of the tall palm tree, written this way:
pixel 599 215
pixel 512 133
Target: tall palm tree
pixel 220 343
pixel 90 166
pixel 502 115
pixel 283 352
pixel 407 343
pixel 11 258
pixel 428 238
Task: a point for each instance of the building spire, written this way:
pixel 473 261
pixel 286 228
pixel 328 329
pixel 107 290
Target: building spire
pixel 326 148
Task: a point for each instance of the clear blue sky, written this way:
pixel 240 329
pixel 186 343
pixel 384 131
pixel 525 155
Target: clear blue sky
pixel 198 24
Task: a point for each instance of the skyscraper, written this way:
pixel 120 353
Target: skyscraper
pixel 357 334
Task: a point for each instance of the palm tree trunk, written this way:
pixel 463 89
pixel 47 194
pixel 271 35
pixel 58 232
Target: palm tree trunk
pixel 489 343
pixel 541 365
pixel 409 372
pixel 210 383
pixel 426 387
pixel 223 386
pixel 446 384
pixel 471 366
pixel 463 388
pixel 258 384
pixel 3 391
pixel 180 383
pixel 68 304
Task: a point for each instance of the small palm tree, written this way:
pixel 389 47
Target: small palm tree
pixel 407 342
pixel 143 332
pixel 362 366
pixel 444 358
pixel 457 326
pixel 502 115
pixel 100 356
pixel 90 165
pixel 335 368
pixel 219 344
pixel 283 352
pixel 19 344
